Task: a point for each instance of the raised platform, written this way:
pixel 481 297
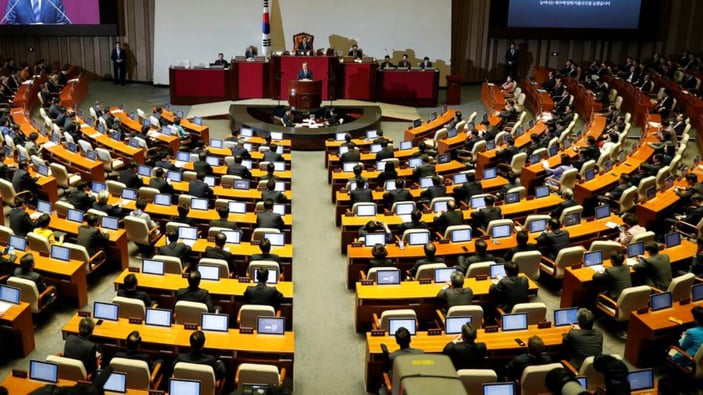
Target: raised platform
pixel 357 120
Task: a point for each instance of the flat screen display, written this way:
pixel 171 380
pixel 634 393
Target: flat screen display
pixel 614 14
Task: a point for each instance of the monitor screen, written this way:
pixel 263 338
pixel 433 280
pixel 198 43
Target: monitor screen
pixel 477 202
pixel 343 149
pixel 60 253
pixel 271 325
pixel 668 182
pixel 271 278
pixel 74 215
pixel 499 389
pixel 404 208
pixel 459 178
pixel 602 212
pixel 590 174
pixel 593 258
pixel 241 184
pixel 651 192
pixel 371 239
pixel 129 194
pixel 237 207
pixel 209 272
pixel 512 197
pixel 418 238
pixel 233 236
pixel 395 323
pixel 452 132
pixel 388 277
pixel 133 142
pixel 366 210
pixel 375 148
pixel 443 275
pixel 187 232
pixel 276 136
pixel 534 158
pixel 279 166
pixel 660 301
pixel 538 225
pixel 174 175
pixel 490 173
pixel 433 115
pixel 339 136
pixel 97 187
pixel 414 162
pixel 608 165
pixel 112 223
pixel 389 185
pixel 572 219
pixel 490 144
pixel 215 143
pixel 116 382
pixel 44 207
pixel 563 317
pixel 497 270
pixel 440 206
pixel 183 156
pixel 43 170
pixel 158 317
pixel 43 371
pixel 214 322
pixel 106 311
pixel 280 186
pixel 10 294
pixel 183 387
pixel 276 239
pixel 553 150
pixel 500 231
pixel 371 134
pixel 150 266
pixel 406 145
pixel 444 158
pixel 452 325
pixel 212 160
pixel 514 322
pixel 697 292
pixel 417 123
pixel 635 249
pixel 641 379
pixel 460 235
pixel 162 199
pixel 425 182
pixel 246 132
pixel 198 204
pixel 144 170
pixel 672 239
pixel 541 191
pixel 279 209
pixel 18 243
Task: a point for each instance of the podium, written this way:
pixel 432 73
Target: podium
pixel 453 89
pixel 304 95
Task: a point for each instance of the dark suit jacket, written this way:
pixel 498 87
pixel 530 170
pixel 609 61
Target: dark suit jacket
pixel 396 195
pixel 176 249
pixel 509 254
pixel 21 13
pixel 551 242
pixel 272 156
pixel 78 347
pixel 353 155
pixel 198 295
pixel 485 215
pixel 223 223
pixel 199 189
pixel 464 191
pixel 184 220
pixel 91 238
pixel 276 196
pixel 361 195
pixel 81 200
pixel 269 219
pixel 303 75
pixel 22 181
pixel 518 364
pixel 410 225
pixel 122 55
pixel 113 211
pixel 31 276
pixel 449 297
pixel 556 212
pixel 582 343
pixel 466 355
pixel 385 153
pixel 263 294
pixel 510 291
pixel 447 219
pixel 161 184
pixel 201 358
pixel 239 170
pixel 202 167
pixel 657 269
pixel 129 354
pixel 136 294
pixel 131 180
pixel 425 170
pixel 265 257
pixel 20 222
pixel 434 191
pixel 615 278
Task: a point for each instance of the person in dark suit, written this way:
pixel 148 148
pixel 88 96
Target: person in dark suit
pixel 385 153
pixel 355 51
pixel 22 181
pixel 82 198
pixel 435 190
pixel 220 61
pixel 361 194
pixel 133 341
pixel 663 106
pixel 91 236
pixel 426 169
pixel 553 240
pixel 454 294
pixel 182 216
pixel 535 356
pixel 483 216
pixel 22 12
pixel 656 268
pixel 506 154
pixel 197 355
pixel 426 64
pixel 20 221
pixel 262 293
pixel 404 63
pixel 358 178
pixel 119 63
pixel 237 169
pixel 379 258
pixel 464 352
pixel 481 255
pixel 270 173
pixel 219 252
pixel 387 63
pixel 402 338
pixel 201 166
pixel 304 73
pixel 223 222
pixel 399 194
pixel 265 255
pixel 81 348
pixel 522 238
pixel 193 293
pixel 130 291
pixel 415 223
pixel 160 182
pixel 615 278
pixel 174 248
pixel 451 217
pixel 304 47
pixel 102 205
pixel 250 53
pixel 269 219
pixel 511 290
pixel 271 193
pixel 430 257
pixel 512 57
pixel 26 271
pixel 130 178
pixel 583 341
pixel 568 201
pixel 471 187
pixel 199 188
pixel 353 155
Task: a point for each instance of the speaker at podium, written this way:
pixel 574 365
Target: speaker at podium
pixel 304 95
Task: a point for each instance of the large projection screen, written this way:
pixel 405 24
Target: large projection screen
pixel 188 32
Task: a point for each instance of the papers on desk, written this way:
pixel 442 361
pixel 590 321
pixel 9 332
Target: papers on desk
pixel 94 135
pixel 179 163
pixel 49 144
pixel 611 224
pixel 596 268
pixel 35 215
pixel 83 125
pixel 631 261
pixel 153 134
pixel 4 306
pixel 491 84
pixel 654 124
pixel 545 164
pixel 188 242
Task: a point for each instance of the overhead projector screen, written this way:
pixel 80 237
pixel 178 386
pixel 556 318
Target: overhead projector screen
pixel 187 32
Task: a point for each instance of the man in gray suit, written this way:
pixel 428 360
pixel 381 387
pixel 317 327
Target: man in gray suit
pixel 455 294
pixel 583 341
pixel 553 240
pixel 656 268
pixel 615 278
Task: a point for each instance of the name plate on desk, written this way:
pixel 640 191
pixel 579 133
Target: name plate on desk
pixel 684 301
pixel 19 373
pixel 83 313
pixel 434 332
pixel 491 329
pixel 544 324
pixel 366 282
pixel 481 277
pixel 190 326
pixel 133 269
pixel 156 392
pixel 378 333
pixel 246 331
pixel 444 241
pixel 356 244
pixel 134 320
pixel 425 281
pixel 643 310
pixel 244 280
pixel 576 266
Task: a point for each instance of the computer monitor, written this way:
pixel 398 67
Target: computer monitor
pixel 158 317
pixel 97 187
pixel 371 239
pixel 112 223
pixel 339 136
pixel 417 123
pixel 414 162
pixel 174 176
pixel 660 301
pixel 651 192
pixel 44 207
pixel 348 167
pixel 534 158
pixel 459 178
pixel 490 173
pixel 497 270
pixel 539 225
pixel 75 215
pixel 214 322
pixel 276 239
pixel 477 202
pixel 375 148
pixel 608 166
pixel 199 204
pixel 129 194
pixel 460 235
pixel 279 166
pixel 418 238
pixel 276 136
pixel 271 278
pixel 697 292
pixel 43 170
pixel 564 317
pixel 541 191
pixel 187 232
pixel 514 322
pixel 499 388
pixel 151 266
pixel 408 323
pixel 144 170
pixel 343 149
pixel 183 156
pixel 116 382
pixel 47 372
pixel 672 239
pixel 406 145
pixel 183 387
pixel 237 207
pixel 452 132
pixel 433 116
pixel 512 197
pixel 133 142
pixel 106 311
pixel 10 294
pixel 452 325
pixel 553 150
pixel 209 272
pixel 440 206
pixel 602 212
pixel 241 184
pixel 247 163
pixel 425 182
pixel 490 144
pixel 519 131
pixel 388 277
pixel 232 236
pixel 366 210
pixel 572 219
pixel 371 134
pixel 668 182
pixel 61 253
pixel 162 199
pixel 641 379
pixel 215 143
pixel 389 185
pixel 271 325
pixel 246 132
pixel 212 160
pixel 593 258
pixel 443 275
pixel 18 243
pixel 402 208
pixel 444 158
pixel 635 249
pixel 590 174
pixel 210 181
pixel 500 231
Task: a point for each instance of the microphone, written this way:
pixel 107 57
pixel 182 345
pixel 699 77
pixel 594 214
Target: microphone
pixel 61 12
pixel 9 11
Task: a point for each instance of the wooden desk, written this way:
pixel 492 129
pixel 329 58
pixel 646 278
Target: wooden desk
pixel 427 129
pixel 198 131
pixel 119 149
pixel 70 278
pixel 501 348
pixel 634 101
pixel 18 329
pixel 198 85
pixel 421 297
pixel 578 288
pixel 584 100
pixel 416 88
pixel 255 173
pixel 75 90
pixel 487 158
pixel 537 99
pixel 88 169
pixel 491 97
pixel 26 96
pixel 650 333
pixel 358 80
pixel 46 183
pixel 17 385
pixel 457 142
pixel 250 195
pixel 226 292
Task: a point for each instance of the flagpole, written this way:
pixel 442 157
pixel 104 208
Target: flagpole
pixel 265 31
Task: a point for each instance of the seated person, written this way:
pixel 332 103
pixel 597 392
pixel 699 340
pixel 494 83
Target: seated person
pixel 355 51
pixel 535 356
pixel 360 194
pixel 26 271
pixel 692 339
pixel 250 53
pixel 523 244
pixel 160 182
pixel 81 348
pixel 304 47
pixel 223 222
pixel 481 255
pixel 82 198
pixel 130 291
pixel 219 252
pixel 615 278
pixel 272 154
pixel 389 173
pixel 404 62
pixel 358 178
pixel 568 195
pixel 453 216
pixel 271 193
pixel 470 188
pixel 265 255
pixel 435 190
pixel 91 236
pixel 399 194
pixel 199 188
pixel 554 175
pixel 174 247
pixel 387 63
pixel 426 169
pixel 374 226
pixel 583 341
pixel 193 293
pixel 220 61
pixel 553 239
pixel 511 290
pixel 656 267
pixel 43 229
pixel 182 217
pixel 102 205
pixel 197 355
pixel 129 177
pixel 416 222
pixel 269 219
pixel 483 216
pixel 430 251
pixel 237 169
pixel 454 293
pixel 201 166
pixel 629 229
pixel 379 253
pixel 133 341
pixel 464 352
pixel 426 64
pixel 402 338
pixel 261 293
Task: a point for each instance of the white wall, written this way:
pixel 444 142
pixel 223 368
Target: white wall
pixel 195 31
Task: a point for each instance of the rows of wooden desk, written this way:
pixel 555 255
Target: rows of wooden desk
pixel 450 144
pixel 75 90
pixel 427 129
pixel 491 97
pixel 537 99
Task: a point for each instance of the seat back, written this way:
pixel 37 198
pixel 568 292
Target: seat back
pixel 255 373
pixel 29 293
pixel 518 162
pixel 473 311
pixel 185 198
pixel 249 313
pixel 680 287
pixel 62 208
pixel 407 233
pixel 189 312
pixel 500 138
pixel 130 308
pixel 643 237
pixel 5 233
pixel 85 145
pixel 479 269
pixel 173 226
pixel 587 165
pixel 194 371
pixel 148 193
pixel 79 253
pixel 427 270
pixel 8 192
pixel 662 174
pixel 258 233
pixel 69 368
pixel 441 199
pixel 536 311
pixel 172 264
pixel 395 314
pixel 498 222
pixel 594 378
pixel 606 246
pixel 479 146
pixel 227 180
pixel 567 257
pixel 628 199
pixel 356 206
pixel 645 184
pixel 262 264
pixel 568 179
pixel 452 228
pixel 189 176
pixel 115 187
pixel 138 375
pixel 631 299
pixel 528 263
pixel 474 379
pixel 137 229
pixel 60 173
pixel 38 242
pixel 220 263
pixel 532 381
pixel 394 207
